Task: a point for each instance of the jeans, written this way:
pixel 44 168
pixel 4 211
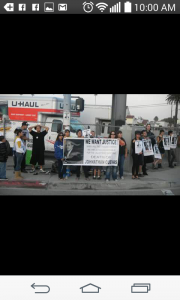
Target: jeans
pixel 19 158
pixel 112 169
pixel 14 158
pixel 171 156
pixel 23 164
pixel 121 164
pixel 2 170
pixel 61 169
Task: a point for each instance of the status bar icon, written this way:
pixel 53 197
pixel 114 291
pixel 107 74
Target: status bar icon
pixel 116 8
pixel 9 7
pixel 127 7
pixel 35 7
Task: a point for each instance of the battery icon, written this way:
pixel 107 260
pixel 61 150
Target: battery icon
pixel 127 7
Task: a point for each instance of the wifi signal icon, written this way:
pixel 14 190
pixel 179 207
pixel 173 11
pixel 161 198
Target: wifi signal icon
pixel 102 6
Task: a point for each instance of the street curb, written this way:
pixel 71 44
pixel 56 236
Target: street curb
pixel 65 186
pixel 23 184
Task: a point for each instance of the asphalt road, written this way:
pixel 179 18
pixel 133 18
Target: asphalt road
pixel 38 192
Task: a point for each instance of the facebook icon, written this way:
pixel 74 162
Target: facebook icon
pixel 35 7
pixel 22 7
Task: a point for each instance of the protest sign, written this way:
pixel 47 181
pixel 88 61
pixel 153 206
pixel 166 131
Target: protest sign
pixel 86 133
pixel 173 141
pixel 147 147
pixel 101 152
pixel 138 146
pixel 157 153
pixel 73 151
pixel 166 142
pixel 91 152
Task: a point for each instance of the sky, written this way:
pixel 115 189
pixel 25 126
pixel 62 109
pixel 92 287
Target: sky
pixel 133 101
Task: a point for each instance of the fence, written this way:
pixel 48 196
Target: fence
pixel 101 130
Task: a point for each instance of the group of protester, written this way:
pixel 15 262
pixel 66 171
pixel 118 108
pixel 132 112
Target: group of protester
pixel 140 161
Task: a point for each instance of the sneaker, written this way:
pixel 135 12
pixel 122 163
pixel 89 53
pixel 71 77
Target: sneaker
pixel 94 177
pixel 42 171
pixel 66 177
pixel 145 173
pixel 24 171
pixel 107 180
pixel 32 171
pixel 141 175
pixel 99 177
pixel 122 178
pixel 115 180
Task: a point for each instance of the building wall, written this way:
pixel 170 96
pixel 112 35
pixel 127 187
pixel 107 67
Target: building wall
pixel 92 112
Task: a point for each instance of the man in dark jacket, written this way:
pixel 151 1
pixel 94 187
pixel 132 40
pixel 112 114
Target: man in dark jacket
pixel 3 158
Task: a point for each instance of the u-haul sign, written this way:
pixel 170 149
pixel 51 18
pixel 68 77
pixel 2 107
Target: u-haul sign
pixel 29 109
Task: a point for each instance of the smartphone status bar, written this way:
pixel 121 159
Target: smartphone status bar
pixel 90 7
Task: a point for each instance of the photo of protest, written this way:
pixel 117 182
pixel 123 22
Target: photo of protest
pixel 101 144
pixel 73 151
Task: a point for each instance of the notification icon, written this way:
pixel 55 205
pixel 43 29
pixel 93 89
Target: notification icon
pixel 127 7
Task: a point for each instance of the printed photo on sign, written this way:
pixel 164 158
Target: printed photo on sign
pixel 147 147
pixel 138 147
pixel 73 151
pixel 166 142
pixel 173 141
pixel 157 153
pixel 86 133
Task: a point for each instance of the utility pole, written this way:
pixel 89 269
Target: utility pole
pixel 118 112
pixel 67 111
pixel 171 112
pixel 95 98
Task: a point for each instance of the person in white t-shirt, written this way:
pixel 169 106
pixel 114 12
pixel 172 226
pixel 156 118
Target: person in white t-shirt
pixel 19 152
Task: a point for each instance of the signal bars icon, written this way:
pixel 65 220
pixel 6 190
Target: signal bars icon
pixel 116 8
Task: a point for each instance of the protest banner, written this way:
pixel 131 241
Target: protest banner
pixel 166 142
pixel 173 141
pixel 138 146
pixel 157 153
pixel 91 152
pixel 147 147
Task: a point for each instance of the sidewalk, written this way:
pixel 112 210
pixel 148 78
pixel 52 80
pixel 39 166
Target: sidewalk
pixel 157 179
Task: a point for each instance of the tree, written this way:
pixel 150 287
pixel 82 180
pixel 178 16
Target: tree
pixel 174 98
pixel 156 119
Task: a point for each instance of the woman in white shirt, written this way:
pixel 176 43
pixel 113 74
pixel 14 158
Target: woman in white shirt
pixel 20 150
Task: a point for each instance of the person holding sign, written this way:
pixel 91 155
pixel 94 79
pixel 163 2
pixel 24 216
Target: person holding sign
pixel 112 169
pixel 171 153
pixel 58 147
pixel 78 168
pixel 148 151
pixel 137 157
pixel 161 147
pixel 122 153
